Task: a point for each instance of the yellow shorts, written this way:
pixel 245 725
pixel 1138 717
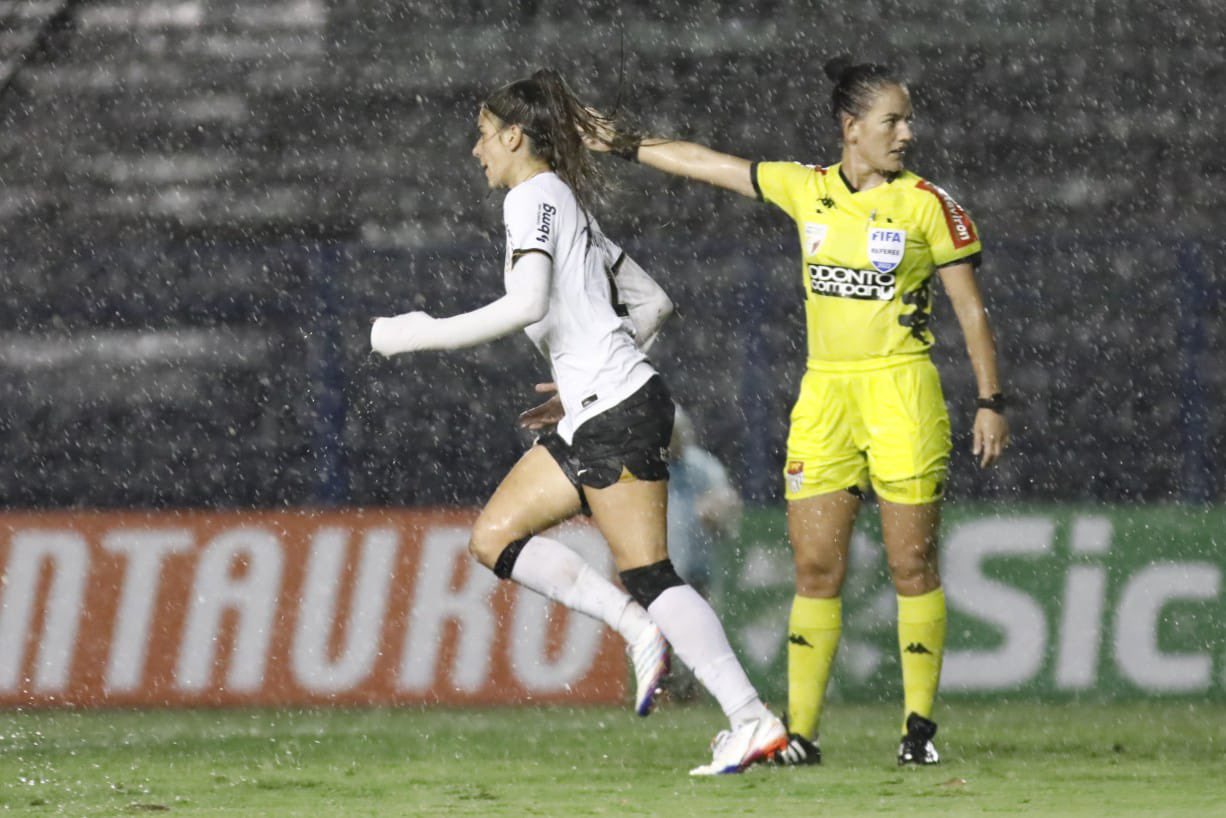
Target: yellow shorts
pixel 887 426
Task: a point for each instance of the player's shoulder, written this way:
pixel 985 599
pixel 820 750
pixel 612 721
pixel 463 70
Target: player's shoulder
pixel 544 188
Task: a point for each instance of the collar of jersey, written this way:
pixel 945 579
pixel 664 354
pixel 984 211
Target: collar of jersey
pixel 847 183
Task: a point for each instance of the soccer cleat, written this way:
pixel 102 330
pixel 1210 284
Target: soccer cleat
pixel 734 750
pixel 649 655
pixel 798 752
pixel 917 747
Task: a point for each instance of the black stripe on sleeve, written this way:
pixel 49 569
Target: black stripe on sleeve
pixel 974 259
pixel 619 308
pixel 753 175
pixel 516 255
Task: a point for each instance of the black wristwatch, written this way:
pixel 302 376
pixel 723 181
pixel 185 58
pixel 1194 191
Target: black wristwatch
pixel 996 403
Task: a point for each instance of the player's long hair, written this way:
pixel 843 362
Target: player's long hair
pixel 555 121
pixel 855 85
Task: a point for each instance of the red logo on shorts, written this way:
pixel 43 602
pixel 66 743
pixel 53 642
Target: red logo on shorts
pixel 795 476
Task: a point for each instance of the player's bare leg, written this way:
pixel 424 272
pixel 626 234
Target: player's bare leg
pixel 534 496
pixel 910 534
pixel 632 516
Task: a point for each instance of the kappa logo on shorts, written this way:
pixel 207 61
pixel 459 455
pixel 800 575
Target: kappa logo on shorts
pixel 795 475
pixel 886 247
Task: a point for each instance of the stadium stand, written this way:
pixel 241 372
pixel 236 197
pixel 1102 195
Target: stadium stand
pixel 202 202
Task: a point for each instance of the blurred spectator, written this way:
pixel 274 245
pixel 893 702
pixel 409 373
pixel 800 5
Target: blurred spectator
pixel 704 515
pixel 704 508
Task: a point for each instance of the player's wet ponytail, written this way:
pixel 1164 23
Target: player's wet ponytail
pixel 555 121
pixel 855 85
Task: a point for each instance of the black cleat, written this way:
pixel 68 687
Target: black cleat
pixel 917 747
pixel 798 752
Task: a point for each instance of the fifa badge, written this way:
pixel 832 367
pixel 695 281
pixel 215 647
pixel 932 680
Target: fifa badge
pixel 885 248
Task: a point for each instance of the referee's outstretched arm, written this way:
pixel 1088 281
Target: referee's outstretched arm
pixel 699 162
pixel 687 159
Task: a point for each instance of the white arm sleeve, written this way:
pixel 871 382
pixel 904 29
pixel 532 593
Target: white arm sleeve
pixel 526 302
pixel 645 300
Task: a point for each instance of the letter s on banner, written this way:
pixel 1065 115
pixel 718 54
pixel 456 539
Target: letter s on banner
pixel 1018 616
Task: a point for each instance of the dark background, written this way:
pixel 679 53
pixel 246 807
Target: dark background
pixel 203 203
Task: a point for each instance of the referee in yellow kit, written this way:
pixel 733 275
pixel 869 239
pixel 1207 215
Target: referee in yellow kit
pixel 870 410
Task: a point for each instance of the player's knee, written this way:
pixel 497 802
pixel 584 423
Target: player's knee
pixel 647 583
pixel 495 548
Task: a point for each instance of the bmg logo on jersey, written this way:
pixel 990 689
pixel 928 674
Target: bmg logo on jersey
pixel 886 247
pixel 843 282
pixel 544 221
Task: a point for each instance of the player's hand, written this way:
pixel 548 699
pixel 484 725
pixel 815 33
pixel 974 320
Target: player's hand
pixel 402 333
pixel 549 413
pixel 991 437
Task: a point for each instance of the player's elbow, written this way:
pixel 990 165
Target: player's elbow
pixel 664 308
pixel 535 309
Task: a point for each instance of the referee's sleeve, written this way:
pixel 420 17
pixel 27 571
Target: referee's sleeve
pixel 776 182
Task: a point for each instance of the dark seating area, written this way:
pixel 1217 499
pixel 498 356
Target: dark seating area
pixel 203 202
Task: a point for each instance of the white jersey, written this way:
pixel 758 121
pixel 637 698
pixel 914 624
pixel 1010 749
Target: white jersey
pixel 593 357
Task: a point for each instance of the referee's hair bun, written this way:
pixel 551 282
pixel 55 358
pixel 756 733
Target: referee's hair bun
pixel 836 68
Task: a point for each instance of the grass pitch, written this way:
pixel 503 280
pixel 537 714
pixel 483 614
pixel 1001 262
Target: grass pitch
pixel 1151 759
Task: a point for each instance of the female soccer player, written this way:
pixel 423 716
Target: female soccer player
pixel 608 453
pixel 870 409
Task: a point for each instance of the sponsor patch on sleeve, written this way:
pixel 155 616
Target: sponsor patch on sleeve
pixel 961 228
pixel 545 213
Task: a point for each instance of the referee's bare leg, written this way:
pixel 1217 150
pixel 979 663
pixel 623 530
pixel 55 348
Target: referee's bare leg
pixel 819 530
pixel 910 533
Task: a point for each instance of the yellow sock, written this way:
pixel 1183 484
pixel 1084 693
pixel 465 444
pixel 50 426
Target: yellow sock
pixel 921 644
pixel 813 638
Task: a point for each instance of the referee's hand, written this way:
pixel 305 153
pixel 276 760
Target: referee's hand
pixel 991 437
pixel 601 138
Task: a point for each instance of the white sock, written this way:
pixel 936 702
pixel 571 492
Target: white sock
pixel 692 628
pixel 550 568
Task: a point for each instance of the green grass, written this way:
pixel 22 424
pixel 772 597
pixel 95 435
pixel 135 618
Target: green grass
pixel 1146 759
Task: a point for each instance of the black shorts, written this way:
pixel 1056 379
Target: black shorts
pixel 632 438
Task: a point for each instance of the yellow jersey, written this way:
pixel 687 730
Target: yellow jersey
pixel 867 258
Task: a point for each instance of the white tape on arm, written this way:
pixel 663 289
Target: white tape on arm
pixel 526 302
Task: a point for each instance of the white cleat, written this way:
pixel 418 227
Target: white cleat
pixel 649 655
pixel 734 750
